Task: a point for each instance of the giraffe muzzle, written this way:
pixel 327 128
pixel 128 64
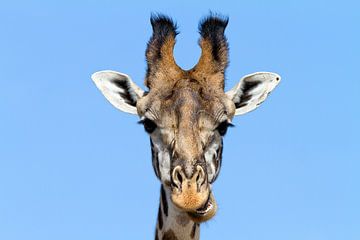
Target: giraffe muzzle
pixel 189 194
pixel 206 212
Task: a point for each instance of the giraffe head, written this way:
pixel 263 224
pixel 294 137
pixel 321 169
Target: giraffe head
pixel 187 113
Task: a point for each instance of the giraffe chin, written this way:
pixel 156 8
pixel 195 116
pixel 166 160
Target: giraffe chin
pixel 206 212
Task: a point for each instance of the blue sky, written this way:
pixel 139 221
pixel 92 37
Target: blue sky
pixel 73 167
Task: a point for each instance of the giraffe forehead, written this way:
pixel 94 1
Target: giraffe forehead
pixel 187 110
pixel 188 100
pixel 184 107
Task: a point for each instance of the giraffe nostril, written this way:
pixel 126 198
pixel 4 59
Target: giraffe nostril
pixel 200 176
pixel 177 177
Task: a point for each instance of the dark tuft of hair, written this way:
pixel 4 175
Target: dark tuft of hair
pixel 213 25
pixel 212 28
pixel 163 25
pixel 164 29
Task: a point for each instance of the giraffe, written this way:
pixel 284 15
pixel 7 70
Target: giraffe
pixel 186 114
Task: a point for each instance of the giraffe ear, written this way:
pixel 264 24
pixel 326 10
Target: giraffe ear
pixel 118 89
pixel 252 90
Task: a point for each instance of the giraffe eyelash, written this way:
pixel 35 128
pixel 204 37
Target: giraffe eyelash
pixel 223 127
pixel 148 124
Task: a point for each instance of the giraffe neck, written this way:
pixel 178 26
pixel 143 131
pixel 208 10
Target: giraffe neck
pixel 173 224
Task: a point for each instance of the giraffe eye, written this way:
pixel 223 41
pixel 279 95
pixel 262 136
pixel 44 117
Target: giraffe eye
pixel 149 125
pixel 223 126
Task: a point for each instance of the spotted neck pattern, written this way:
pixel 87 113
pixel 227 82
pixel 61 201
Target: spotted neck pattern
pixel 173 224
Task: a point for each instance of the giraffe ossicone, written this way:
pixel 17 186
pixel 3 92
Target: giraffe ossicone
pixel 186 113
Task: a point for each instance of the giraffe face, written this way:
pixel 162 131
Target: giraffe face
pixel 186 123
pixel 187 113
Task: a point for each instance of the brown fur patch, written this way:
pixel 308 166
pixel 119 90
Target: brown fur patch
pixel 182 219
pixel 169 235
pixel 159 53
pixel 193 230
pixel 214 51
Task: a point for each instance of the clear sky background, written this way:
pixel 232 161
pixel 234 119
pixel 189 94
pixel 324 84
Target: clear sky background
pixel 73 167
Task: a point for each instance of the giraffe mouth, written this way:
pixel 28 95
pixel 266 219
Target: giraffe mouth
pixel 206 208
pixel 206 212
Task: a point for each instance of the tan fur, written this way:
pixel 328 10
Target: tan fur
pixel 164 70
pixel 190 197
pixel 207 69
pixel 203 218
